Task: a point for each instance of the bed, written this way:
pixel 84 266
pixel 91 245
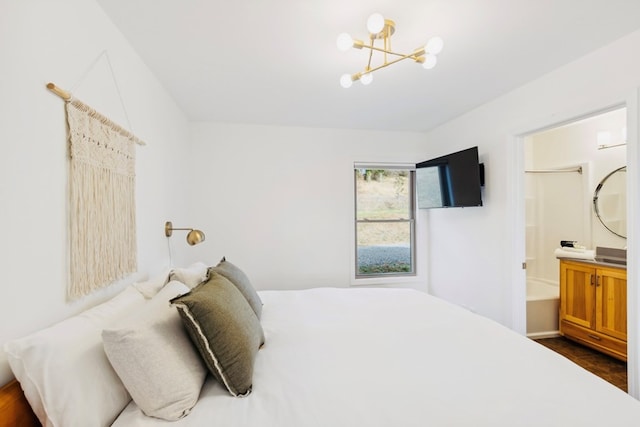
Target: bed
pixel 392 357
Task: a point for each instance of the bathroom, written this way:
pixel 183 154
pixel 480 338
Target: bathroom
pixel 564 166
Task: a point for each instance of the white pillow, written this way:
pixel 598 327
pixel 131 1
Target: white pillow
pixel 151 287
pixel 191 276
pixel 155 359
pixel 64 371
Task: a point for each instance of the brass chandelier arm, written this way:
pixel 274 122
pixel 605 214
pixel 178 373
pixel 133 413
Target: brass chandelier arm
pixel 416 56
pixel 417 52
pixel 386 64
pixel 370 55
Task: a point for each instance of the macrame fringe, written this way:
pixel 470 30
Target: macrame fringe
pixel 102 202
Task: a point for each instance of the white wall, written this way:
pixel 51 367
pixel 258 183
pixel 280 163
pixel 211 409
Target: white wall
pixel 471 252
pixel 279 201
pixel 41 41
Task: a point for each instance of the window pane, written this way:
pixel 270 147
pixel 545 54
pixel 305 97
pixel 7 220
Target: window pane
pixel 383 194
pixel 384 247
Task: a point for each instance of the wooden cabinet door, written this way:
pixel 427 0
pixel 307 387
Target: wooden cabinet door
pixel 577 294
pixel 611 309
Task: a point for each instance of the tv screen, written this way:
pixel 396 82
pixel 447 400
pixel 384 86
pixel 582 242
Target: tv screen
pixel 450 181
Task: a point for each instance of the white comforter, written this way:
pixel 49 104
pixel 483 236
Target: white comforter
pixel 396 357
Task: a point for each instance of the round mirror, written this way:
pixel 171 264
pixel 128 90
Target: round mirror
pixel 610 202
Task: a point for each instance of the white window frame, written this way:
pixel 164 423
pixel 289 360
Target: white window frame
pixel 386 278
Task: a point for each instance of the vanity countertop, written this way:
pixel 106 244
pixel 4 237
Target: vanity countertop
pixel 608 257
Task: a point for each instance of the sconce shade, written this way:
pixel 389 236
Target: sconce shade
pixel 193 237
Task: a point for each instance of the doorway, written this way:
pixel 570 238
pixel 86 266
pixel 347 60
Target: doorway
pixel 563 167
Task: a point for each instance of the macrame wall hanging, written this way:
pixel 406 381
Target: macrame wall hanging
pixel 102 214
pixel 101 200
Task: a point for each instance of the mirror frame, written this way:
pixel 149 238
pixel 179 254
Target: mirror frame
pixel 595 199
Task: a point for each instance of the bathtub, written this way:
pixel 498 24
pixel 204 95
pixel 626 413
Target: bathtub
pixel 543 305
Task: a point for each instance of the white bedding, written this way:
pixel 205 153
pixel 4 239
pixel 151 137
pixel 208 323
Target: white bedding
pixel 397 357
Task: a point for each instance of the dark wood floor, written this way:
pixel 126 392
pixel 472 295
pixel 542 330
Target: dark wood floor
pixel 606 367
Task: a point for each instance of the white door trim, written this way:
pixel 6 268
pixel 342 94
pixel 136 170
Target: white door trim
pixel 633 248
pixel 515 148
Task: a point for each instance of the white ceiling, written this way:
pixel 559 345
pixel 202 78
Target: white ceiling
pixel 276 61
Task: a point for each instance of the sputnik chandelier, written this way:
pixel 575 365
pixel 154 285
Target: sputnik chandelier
pixel 382 29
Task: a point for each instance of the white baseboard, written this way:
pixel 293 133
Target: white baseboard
pixel 545 334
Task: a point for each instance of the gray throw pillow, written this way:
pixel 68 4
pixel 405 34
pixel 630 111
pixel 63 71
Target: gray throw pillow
pixel 224 329
pixel 240 279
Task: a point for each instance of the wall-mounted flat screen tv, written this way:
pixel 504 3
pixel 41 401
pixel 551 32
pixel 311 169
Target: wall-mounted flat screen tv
pixel 450 181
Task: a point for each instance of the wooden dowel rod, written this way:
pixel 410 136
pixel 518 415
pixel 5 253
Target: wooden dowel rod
pixel 67 97
pixel 60 92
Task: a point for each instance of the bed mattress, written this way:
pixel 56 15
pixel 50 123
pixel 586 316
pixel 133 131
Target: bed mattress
pixel 399 357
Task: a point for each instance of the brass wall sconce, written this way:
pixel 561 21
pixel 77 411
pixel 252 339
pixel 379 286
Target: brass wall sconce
pixel 193 236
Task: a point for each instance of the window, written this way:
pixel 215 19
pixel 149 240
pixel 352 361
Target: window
pixel 384 220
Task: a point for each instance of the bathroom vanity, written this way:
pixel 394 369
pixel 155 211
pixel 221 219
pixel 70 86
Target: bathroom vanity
pixel 593 304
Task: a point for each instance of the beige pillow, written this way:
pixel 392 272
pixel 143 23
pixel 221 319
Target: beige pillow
pixel 240 279
pixel 155 359
pixel 225 330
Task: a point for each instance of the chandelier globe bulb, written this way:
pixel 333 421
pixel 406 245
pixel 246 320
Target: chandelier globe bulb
pixel 375 23
pixel 434 45
pixel 366 78
pixel 430 61
pixel 346 81
pixel 344 42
